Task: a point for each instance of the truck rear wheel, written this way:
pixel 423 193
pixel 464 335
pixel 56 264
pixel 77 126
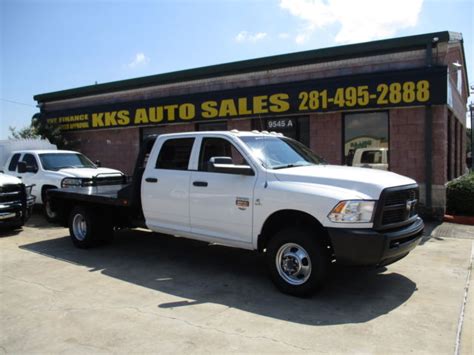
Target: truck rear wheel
pixel 86 230
pixel 297 262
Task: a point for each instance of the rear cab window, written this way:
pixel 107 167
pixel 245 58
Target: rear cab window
pixel 14 162
pixel 175 154
pixel 371 157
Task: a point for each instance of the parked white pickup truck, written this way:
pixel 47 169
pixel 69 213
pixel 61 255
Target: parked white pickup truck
pixel 52 169
pixel 256 191
pixel 375 158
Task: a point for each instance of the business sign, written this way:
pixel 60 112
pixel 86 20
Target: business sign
pixel 377 90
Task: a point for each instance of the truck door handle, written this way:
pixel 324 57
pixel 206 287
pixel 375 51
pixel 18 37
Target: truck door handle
pixel 200 183
pixel 151 180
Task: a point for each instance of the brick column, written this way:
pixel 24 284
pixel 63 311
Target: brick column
pixel 326 136
pixel 407 142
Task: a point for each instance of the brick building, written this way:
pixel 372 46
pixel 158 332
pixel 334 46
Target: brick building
pixel 407 95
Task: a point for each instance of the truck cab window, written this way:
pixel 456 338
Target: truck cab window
pixel 175 154
pixel 218 147
pixel 372 157
pixel 30 160
pixel 14 162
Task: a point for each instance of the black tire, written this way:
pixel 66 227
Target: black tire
pixel 50 215
pixel 297 261
pixel 87 229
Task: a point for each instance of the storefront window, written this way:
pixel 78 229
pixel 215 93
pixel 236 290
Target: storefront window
pixel 366 140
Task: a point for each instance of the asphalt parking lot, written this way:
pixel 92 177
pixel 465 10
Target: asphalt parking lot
pixel 148 293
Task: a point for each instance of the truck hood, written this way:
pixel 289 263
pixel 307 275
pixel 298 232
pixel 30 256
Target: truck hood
pixel 8 180
pixel 85 172
pixel 369 183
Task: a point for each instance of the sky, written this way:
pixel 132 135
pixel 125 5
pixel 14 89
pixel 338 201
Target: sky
pixel 56 45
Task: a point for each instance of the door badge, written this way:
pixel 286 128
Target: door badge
pixel 242 203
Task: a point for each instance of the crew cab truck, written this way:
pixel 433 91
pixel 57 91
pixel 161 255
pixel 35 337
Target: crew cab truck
pixel 50 169
pixel 257 191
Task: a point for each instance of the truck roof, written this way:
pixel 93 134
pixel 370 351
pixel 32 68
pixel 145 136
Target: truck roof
pixel 43 151
pixel 232 133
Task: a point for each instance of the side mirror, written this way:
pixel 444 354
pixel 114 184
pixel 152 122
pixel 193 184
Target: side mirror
pixel 98 163
pixel 21 167
pixel 224 165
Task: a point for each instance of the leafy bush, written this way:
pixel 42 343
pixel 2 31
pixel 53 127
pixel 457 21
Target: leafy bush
pixel 460 196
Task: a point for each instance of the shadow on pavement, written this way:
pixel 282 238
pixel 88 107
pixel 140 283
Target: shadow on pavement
pixel 9 231
pixel 235 278
pixel 37 220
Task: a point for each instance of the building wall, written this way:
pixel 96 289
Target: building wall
pixel 326 136
pixel 115 148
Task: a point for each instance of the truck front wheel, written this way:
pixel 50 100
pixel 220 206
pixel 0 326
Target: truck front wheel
pixel 297 262
pixel 86 230
pixel 49 213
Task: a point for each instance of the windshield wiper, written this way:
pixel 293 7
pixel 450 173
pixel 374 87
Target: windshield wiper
pixel 289 166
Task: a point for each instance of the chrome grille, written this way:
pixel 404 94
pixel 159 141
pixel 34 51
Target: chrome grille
pixel 398 205
pixel 10 193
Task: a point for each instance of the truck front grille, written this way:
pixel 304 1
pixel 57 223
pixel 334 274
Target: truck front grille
pixel 110 180
pixel 397 206
pixel 11 193
pixel 400 197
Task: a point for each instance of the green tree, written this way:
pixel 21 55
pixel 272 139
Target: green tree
pixel 23 133
pixel 50 132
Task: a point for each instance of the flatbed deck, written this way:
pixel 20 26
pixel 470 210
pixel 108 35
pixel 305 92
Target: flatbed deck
pixel 106 194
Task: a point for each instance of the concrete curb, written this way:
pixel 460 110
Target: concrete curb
pixel 469 220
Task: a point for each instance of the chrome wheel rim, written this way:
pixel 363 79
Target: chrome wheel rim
pixel 293 263
pixel 79 227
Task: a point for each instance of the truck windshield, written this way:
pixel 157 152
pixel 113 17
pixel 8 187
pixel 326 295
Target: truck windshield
pixel 281 152
pixel 57 161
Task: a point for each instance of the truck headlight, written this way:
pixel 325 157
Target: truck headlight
pixel 356 211
pixel 71 182
pixel 74 182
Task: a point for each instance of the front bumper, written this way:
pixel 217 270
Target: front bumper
pixel 371 247
pixel 11 214
pixel 16 213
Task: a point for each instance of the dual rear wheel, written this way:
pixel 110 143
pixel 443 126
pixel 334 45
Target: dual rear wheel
pixel 88 228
